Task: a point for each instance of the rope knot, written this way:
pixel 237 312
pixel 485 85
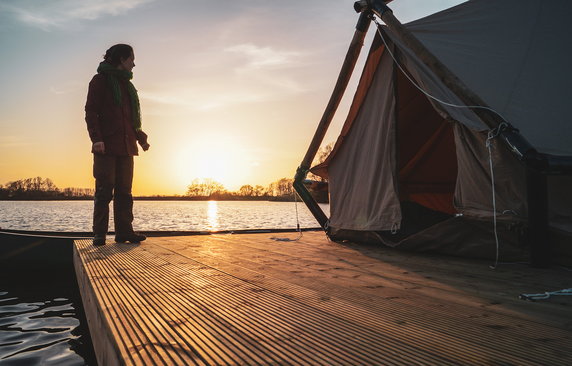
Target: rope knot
pixel 493 133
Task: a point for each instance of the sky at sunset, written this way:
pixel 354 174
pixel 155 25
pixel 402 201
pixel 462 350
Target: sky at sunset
pixel 231 90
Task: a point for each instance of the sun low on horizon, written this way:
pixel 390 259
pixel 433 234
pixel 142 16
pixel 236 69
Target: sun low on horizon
pixel 232 90
pixel 214 157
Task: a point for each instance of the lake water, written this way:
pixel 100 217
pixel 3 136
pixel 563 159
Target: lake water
pixel 42 320
pixel 160 215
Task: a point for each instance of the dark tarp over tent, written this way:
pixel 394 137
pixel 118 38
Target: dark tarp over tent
pixel 408 170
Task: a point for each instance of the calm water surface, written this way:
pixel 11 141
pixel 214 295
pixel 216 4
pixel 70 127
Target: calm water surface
pixel 42 321
pixel 160 215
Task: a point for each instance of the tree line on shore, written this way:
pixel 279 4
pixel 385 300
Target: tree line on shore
pixel 281 189
pixel 39 188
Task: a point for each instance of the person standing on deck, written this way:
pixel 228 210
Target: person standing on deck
pixel 113 120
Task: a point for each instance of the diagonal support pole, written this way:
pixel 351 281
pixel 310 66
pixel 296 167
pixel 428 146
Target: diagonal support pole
pixel 337 94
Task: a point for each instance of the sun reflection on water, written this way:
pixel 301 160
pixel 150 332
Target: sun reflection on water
pixel 212 215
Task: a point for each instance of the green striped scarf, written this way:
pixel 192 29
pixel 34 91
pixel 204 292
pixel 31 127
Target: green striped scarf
pixel 113 75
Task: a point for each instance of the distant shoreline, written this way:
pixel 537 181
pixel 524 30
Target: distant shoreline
pixel 163 198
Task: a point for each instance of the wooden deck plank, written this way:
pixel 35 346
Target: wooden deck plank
pixel 249 299
pixel 389 282
pixel 444 322
pixel 368 318
pixel 244 315
pixel 135 324
pixel 172 286
pixel 453 277
pixel 329 258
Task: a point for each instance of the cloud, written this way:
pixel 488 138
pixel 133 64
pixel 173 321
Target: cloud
pixel 94 9
pixel 164 98
pixel 202 101
pixel 263 65
pixel 244 74
pixel 66 88
pixel 12 141
pixel 264 57
pixel 47 15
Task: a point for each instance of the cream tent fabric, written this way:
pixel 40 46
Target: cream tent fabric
pixel 513 54
pixel 360 177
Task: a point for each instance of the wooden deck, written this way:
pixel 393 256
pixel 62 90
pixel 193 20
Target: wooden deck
pixel 250 299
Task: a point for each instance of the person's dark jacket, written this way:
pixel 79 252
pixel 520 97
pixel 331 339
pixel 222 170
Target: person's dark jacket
pixel 109 122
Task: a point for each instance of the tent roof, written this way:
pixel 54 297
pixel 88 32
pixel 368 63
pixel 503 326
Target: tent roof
pixel 512 53
pixel 515 55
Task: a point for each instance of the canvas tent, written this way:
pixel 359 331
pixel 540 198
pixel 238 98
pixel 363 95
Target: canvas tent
pixel 412 171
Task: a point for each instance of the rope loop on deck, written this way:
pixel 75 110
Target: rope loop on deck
pixel 546 295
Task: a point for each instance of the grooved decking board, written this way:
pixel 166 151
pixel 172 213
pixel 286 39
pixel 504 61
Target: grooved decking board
pixel 250 299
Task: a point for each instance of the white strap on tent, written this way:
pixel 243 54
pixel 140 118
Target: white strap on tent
pixel 394 228
pixel 491 135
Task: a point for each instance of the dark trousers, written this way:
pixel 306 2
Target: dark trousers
pixel 113 179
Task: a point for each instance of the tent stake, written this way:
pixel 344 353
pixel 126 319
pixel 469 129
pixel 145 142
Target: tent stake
pixel 337 94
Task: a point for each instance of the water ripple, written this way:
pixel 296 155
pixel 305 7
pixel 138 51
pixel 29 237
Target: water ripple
pixel 39 326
